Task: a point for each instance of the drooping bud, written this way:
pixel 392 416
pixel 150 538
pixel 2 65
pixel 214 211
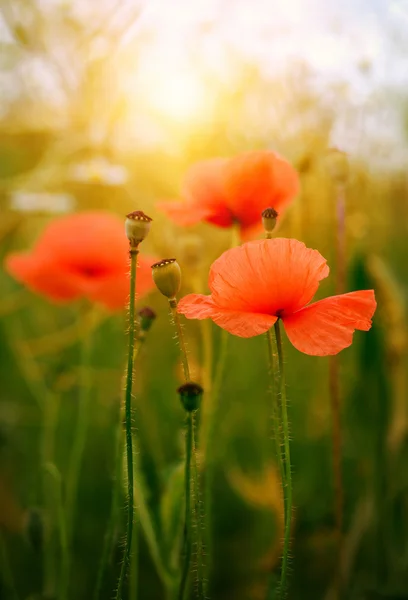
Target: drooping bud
pixel 167 277
pixel 190 395
pixel 147 317
pixel 137 226
pixel 269 217
pixel 337 166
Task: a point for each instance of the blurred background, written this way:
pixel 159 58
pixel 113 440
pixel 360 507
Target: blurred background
pixel 104 105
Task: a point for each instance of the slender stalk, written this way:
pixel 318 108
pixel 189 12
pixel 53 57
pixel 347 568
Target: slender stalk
pixel 54 473
pixel 78 450
pixel 288 467
pixel 277 433
pixel 193 525
pixel 188 517
pixel 180 337
pixel 128 417
pixel 50 420
pixel 197 532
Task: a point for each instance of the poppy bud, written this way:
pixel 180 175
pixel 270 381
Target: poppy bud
pixel 337 165
pixel 269 216
pixel 167 277
pixel 146 316
pixel 190 395
pixel 137 226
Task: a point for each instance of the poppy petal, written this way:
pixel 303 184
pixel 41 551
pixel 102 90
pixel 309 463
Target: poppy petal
pixel 113 291
pixel 242 324
pixel 42 277
pixel 326 327
pixel 257 180
pixel 267 276
pixel 184 213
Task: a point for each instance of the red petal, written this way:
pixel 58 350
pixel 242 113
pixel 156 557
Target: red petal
pixel 184 213
pixel 242 324
pixel 42 277
pixel 113 291
pixel 257 180
pixel 326 327
pixel 267 276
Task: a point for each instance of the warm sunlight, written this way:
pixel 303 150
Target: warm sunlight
pixel 176 95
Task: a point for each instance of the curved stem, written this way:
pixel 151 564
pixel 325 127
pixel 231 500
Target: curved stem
pixel 187 521
pixel 277 433
pixel 288 467
pixel 128 417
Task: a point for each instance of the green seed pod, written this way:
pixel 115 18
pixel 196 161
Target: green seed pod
pixel 190 395
pixel 167 277
pixel 269 217
pixel 137 226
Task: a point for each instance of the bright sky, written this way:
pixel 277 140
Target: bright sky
pixel 182 39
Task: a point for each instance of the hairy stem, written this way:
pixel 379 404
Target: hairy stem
pixel 128 418
pixel 188 517
pixel 180 338
pixel 277 432
pixel 288 467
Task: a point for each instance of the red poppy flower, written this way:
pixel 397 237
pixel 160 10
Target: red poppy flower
pixel 81 255
pixel 223 191
pixel 255 284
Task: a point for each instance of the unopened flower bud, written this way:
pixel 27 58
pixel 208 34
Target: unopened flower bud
pixel 147 317
pixel 190 395
pixel 269 216
pixel 167 277
pixel 137 226
pixel 337 165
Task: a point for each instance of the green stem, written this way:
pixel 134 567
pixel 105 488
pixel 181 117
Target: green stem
pixel 277 432
pixel 198 525
pixel 180 337
pixel 288 467
pixel 188 516
pixel 54 473
pixel 128 417
pixel 78 449
pixel 50 420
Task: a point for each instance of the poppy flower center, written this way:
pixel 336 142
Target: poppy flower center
pixel 92 271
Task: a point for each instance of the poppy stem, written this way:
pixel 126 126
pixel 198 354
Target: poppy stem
pixel 134 251
pixel 112 519
pixel 188 515
pixel 288 466
pixel 180 337
pixel 194 525
pixel 277 432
